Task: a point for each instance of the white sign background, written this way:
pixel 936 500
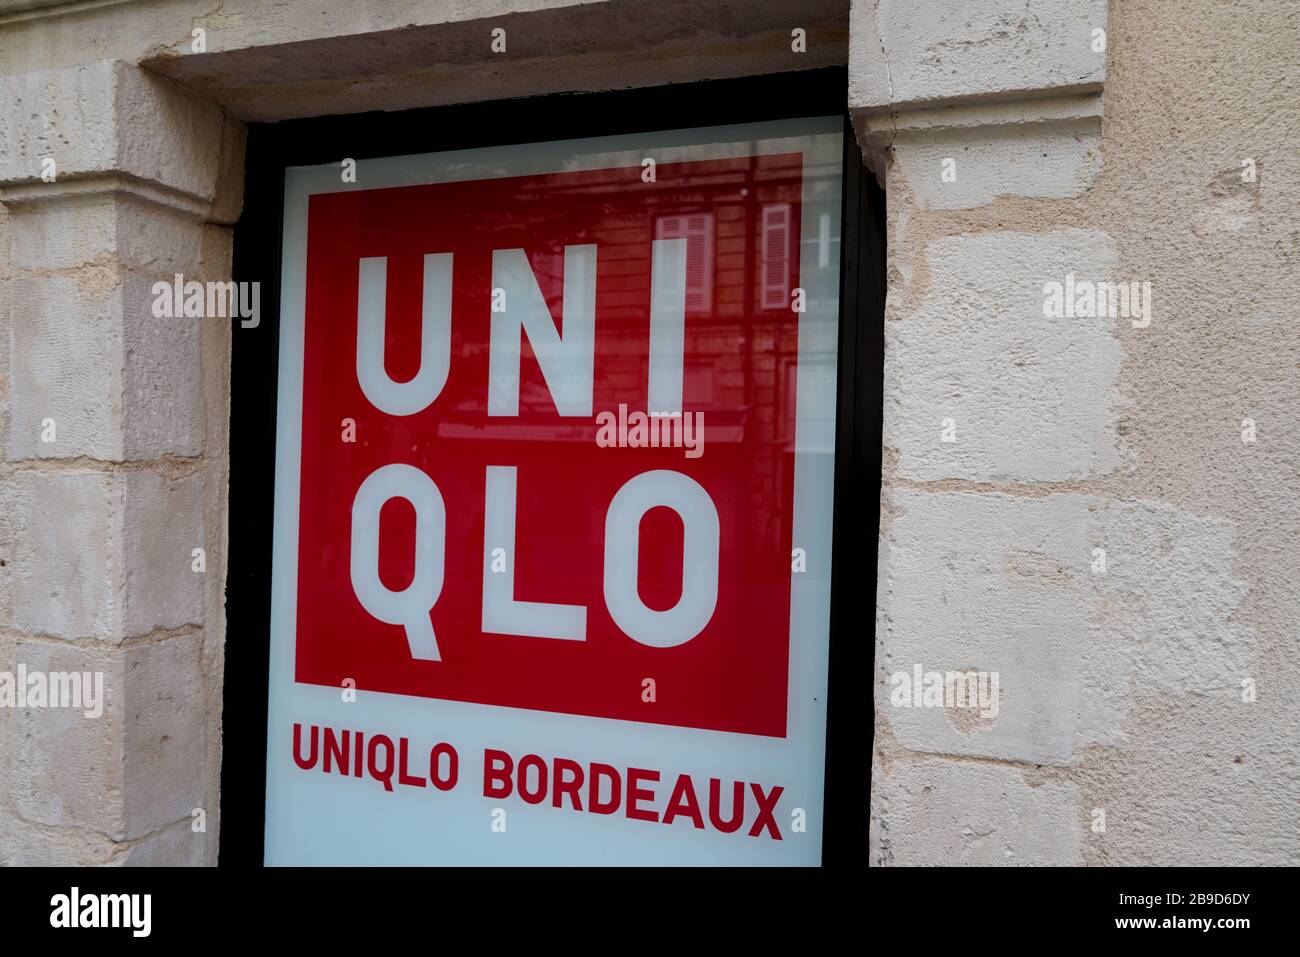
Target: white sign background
pixel 314 818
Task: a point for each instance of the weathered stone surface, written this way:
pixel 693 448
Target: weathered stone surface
pixel 108 117
pixel 127 767
pixel 1027 397
pixel 988 583
pixel 1070 437
pixel 1165 446
pixel 67 766
pixel 103 555
pixel 88 354
pixel 66 363
pixel 64 561
pixel 165 714
pixel 955 813
pixel 999 583
pixel 927 52
pixel 1049 160
pixel 177 846
pixel 162 524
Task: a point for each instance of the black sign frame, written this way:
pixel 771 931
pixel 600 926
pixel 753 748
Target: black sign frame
pixel 257 245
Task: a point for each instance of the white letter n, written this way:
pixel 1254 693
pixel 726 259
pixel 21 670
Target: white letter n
pixel 567 361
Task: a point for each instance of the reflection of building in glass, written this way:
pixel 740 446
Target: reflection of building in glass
pixel 743 220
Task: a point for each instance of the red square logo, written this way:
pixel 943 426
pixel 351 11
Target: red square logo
pixel 488 511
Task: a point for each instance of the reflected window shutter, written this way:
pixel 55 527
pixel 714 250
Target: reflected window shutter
pixel 699 263
pixel 697 230
pixel 776 256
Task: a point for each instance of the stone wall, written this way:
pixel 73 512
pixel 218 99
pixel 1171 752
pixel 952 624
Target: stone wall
pixel 115 444
pixel 1154 684
pixel 1015 150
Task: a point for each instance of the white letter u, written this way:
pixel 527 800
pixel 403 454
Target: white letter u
pixel 415 395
